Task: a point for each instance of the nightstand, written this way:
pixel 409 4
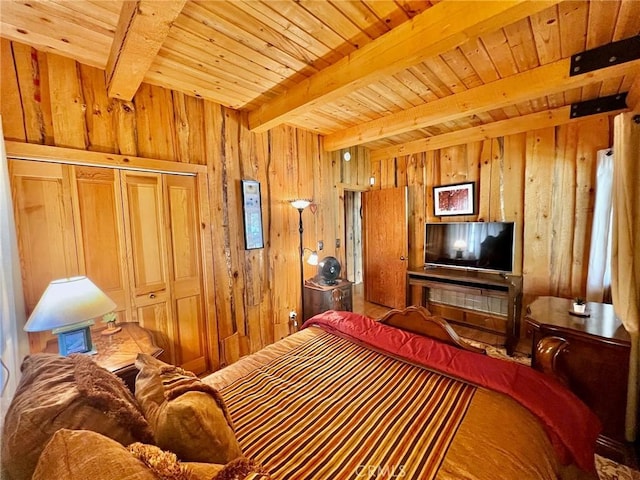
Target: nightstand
pixel 320 298
pixel 117 352
pixel 595 362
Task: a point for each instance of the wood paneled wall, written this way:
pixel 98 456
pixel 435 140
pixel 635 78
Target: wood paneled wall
pixel 544 180
pixel 52 100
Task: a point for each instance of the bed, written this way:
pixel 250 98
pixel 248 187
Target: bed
pixel 349 397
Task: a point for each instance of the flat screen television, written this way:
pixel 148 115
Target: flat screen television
pixel 487 246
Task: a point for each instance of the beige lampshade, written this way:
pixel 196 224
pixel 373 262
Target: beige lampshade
pixel 68 301
pixel 313 258
pixel 300 203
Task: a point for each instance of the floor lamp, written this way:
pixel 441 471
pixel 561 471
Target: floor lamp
pixel 300 205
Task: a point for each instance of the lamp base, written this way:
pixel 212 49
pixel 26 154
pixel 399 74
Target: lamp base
pixel 110 331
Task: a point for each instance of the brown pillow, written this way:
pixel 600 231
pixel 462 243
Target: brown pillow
pixel 82 455
pixel 66 392
pixel 187 416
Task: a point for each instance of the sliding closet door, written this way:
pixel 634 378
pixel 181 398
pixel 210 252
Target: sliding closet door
pixel 100 234
pixel 147 257
pixel 42 204
pixel 185 270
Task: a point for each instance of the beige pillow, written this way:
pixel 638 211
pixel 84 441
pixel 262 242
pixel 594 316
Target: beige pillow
pixel 83 455
pixel 66 392
pixel 187 416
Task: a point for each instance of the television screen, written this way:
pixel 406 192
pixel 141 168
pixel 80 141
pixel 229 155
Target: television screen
pixel 472 245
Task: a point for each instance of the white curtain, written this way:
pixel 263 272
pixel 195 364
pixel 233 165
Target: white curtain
pixel 599 273
pixel 13 342
pixel 625 252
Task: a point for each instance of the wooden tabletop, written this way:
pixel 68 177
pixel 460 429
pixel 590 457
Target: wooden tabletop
pixel 602 321
pixel 117 352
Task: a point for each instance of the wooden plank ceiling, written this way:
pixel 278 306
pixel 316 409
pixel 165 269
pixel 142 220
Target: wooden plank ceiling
pixel 382 73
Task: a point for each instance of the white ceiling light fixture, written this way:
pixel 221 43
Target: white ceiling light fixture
pixel 346 156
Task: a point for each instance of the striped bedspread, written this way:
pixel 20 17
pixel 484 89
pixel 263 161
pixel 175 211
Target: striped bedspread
pixel 333 409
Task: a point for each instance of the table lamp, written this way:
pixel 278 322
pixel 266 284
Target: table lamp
pixel 67 308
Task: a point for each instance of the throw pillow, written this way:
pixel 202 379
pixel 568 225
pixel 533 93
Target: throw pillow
pixel 65 392
pixel 187 416
pixel 82 455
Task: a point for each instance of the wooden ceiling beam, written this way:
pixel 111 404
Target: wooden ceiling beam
pixel 534 121
pixel 439 29
pixel 528 85
pixel 142 29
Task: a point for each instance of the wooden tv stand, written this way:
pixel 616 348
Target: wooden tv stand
pixel 468 298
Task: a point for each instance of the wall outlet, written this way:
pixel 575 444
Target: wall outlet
pixel 293 315
pixel 320 245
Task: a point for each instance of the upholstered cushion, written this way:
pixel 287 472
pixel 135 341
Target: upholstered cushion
pixel 82 455
pixel 187 416
pixel 65 392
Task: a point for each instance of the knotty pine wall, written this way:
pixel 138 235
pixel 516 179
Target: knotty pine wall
pixel 52 100
pixel 544 180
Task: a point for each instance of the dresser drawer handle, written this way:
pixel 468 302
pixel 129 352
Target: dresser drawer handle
pixel 152 295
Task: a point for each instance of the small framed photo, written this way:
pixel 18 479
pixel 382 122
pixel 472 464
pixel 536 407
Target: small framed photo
pixel 75 341
pixel 252 214
pixel 456 199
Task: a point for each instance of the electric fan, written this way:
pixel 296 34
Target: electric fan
pixel 328 271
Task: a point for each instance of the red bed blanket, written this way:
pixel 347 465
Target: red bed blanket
pixel 571 426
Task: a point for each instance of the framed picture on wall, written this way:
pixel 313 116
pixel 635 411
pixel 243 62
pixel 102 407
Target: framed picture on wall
pixel 252 214
pixel 456 199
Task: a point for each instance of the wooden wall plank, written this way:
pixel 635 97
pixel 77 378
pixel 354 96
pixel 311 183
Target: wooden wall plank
pixel 99 111
pixel 67 103
pixel 28 73
pixel 538 236
pixel 154 122
pixel 512 192
pixel 125 127
pixel 10 102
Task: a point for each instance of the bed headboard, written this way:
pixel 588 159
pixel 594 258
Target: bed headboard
pixel 417 319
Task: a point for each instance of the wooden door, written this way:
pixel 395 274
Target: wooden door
pixel 145 232
pixel 99 233
pixel 185 272
pixel 44 221
pixel 385 246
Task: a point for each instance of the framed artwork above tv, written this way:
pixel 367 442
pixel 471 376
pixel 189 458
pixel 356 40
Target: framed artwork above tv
pixel 455 199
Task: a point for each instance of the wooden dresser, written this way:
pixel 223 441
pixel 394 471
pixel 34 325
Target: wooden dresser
pixel 320 298
pixel 594 362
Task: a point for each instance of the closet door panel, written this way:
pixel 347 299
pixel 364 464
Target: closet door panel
pixel 146 233
pixel 143 201
pixel 44 221
pixel 98 210
pixel 186 272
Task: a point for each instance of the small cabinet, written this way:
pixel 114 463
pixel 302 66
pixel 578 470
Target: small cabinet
pixel 320 298
pixel 594 364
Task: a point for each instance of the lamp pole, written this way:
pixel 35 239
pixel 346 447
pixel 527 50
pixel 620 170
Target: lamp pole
pixel 300 229
pixel 300 205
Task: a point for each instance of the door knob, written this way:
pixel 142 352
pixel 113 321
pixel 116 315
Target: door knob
pixel 402 258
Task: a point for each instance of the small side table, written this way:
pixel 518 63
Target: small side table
pixel 320 298
pixel 117 352
pixel 595 362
